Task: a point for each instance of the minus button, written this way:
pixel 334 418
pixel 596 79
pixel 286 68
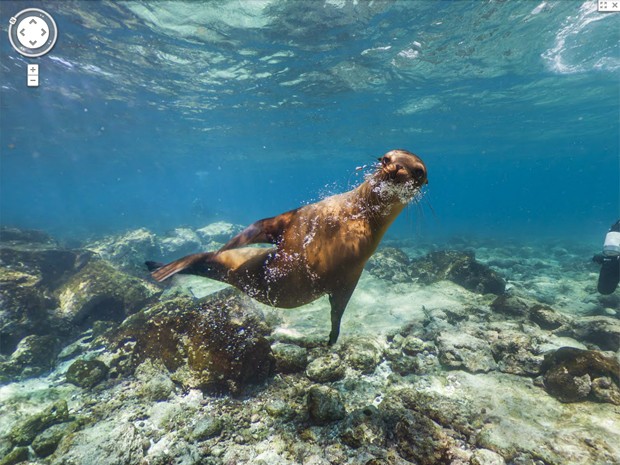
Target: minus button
pixel 33 75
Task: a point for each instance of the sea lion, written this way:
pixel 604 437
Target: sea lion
pixel 318 249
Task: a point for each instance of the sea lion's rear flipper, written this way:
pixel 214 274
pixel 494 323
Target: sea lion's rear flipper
pixel 192 264
pixel 265 231
pixel 152 266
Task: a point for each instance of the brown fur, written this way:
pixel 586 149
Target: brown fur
pixel 318 249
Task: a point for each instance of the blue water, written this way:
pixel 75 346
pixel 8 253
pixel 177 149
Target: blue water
pixel 161 114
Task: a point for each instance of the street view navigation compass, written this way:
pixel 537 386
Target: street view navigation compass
pixel 32 33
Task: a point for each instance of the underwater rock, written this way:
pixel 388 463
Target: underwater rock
pixel 104 443
pixel 464 351
pixel 24 432
pixel 416 437
pixel 216 343
pixel 410 354
pixel 86 373
pixel 180 242
pixel 510 305
pixel 17 455
pixel 570 374
pixel 206 428
pixel 100 292
pixel 389 263
pixel 363 354
pixel 324 405
pixel 156 383
pixel 33 356
pixel 547 318
pixel 401 363
pixel 364 427
pixel 515 353
pixel 603 331
pixel 446 411
pixel 28 276
pixel 46 443
pixel 50 263
pixel 412 345
pixel 326 369
pixel 29 236
pixel 460 268
pixel 23 308
pixel 129 250
pixel 219 232
pixel 289 358
pixel 486 457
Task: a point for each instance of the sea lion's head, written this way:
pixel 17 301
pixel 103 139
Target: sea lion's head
pixel 400 173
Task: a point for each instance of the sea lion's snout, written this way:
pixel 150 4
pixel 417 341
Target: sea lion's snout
pixel 403 166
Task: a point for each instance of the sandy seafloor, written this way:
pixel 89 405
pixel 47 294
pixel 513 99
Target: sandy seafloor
pixel 482 409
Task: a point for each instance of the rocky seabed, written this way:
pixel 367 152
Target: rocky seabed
pixel 98 365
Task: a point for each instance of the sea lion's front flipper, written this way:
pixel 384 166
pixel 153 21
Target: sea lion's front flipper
pixel 265 231
pixel 338 301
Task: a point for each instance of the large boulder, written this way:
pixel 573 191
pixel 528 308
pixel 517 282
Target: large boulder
pixel 216 344
pixel 460 268
pixel 465 351
pixel 391 264
pixel 574 375
pixel 32 266
pixel 603 331
pixel 128 251
pixel 100 292
pixel 219 232
pixel 179 242
pixel 33 356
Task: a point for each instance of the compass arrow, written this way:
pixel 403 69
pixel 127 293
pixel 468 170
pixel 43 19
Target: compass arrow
pixel 22 31
pixel 33 21
pixel 43 32
pixel 32 42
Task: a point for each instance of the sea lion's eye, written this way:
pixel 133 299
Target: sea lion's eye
pixel 384 160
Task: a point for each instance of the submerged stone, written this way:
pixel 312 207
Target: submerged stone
pixel 33 356
pixel 104 443
pixel 23 433
pixel 364 427
pixel 206 428
pixel 100 292
pixel 156 383
pixel 87 373
pixel 217 343
pixel 324 405
pixel 46 443
pixel 326 369
pixel 389 263
pixel 289 358
pixel 603 331
pixel 486 457
pixel 515 353
pixel 128 251
pixel 510 305
pixel 462 350
pixel 363 354
pixel 574 375
pixel 218 232
pixel 547 318
pixel 17 455
pixel 460 268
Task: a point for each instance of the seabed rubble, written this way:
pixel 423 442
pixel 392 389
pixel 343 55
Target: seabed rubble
pixel 473 356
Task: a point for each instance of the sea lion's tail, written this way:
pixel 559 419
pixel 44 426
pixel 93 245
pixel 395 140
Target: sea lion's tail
pixel 185 265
